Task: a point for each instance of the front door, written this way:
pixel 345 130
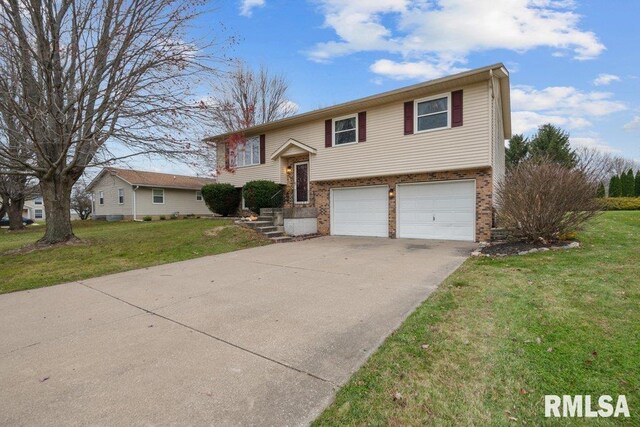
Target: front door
pixel 301 182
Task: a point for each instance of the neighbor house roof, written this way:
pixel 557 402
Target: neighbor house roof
pixel 415 91
pixel 154 179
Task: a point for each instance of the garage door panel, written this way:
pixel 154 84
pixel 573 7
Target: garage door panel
pixel 360 211
pixel 444 211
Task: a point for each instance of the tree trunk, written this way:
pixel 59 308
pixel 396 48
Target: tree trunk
pixel 15 214
pixel 3 206
pixel 56 193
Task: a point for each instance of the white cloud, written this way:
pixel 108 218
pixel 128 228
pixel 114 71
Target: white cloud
pixel 592 142
pixel 433 36
pixel 247 6
pixel 605 79
pixel 564 106
pixel 633 124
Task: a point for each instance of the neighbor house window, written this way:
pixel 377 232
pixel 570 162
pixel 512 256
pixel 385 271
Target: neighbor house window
pixel 345 130
pixel 121 196
pixel 432 113
pixel 38 213
pixel 158 196
pixel 37 201
pixel 101 197
pixel 248 153
pixel 198 195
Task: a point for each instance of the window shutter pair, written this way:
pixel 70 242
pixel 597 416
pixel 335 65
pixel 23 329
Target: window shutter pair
pixel 362 129
pixel 263 138
pixel 456 112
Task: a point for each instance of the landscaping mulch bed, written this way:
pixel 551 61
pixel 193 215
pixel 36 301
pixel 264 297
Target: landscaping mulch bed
pixel 522 248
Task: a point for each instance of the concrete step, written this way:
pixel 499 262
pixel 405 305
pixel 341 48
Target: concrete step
pixel 265 218
pixel 271 234
pixel 256 224
pixel 281 239
pixel 267 229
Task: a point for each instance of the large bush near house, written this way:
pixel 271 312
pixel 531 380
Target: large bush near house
pixel 222 199
pixel 541 200
pixel 262 194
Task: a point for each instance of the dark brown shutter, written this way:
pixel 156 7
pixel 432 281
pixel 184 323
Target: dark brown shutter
pixel 328 133
pixel 456 108
pixel 362 126
pixel 262 149
pixel 226 156
pixel 408 117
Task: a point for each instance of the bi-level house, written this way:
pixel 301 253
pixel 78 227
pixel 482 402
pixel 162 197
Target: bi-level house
pixel 417 162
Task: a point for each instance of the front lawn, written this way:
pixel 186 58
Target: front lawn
pixel 501 333
pixel 109 247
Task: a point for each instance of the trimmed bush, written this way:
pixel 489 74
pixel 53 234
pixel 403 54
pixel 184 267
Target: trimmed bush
pixel 621 204
pixel 223 199
pixel 262 194
pixel 162 217
pixel 146 218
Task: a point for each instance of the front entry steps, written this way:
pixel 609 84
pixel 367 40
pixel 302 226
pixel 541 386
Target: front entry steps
pixel 265 226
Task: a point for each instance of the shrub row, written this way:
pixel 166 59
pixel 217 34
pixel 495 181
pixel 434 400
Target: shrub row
pixel 224 199
pixel 621 204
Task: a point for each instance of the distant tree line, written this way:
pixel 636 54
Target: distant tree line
pixel 623 185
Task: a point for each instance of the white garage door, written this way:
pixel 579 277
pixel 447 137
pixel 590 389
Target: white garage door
pixel 360 211
pixel 443 210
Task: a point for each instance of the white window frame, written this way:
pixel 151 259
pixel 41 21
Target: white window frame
pixel 38 201
pixel 254 162
pixel 295 184
pixel 333 130
pixel 101 198
pixel 431 98
pixel 153 196
pixel 121 197
pixel 198 195
pixel 35 214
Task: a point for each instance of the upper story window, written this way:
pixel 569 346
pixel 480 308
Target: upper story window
pixel 433 113
pixel 37 201
pixel 101 197
pixel 158 196
pixel 121 196
pixel 345 130
pixel 198 195
pixel 248 153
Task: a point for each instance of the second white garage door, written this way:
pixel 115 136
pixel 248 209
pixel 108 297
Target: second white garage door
pixel 362 211
pixel 443 210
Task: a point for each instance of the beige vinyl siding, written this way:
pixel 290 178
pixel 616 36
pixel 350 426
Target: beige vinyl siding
pixel 387 150
pixel 110 184
pixel 182 202
pixel 498 148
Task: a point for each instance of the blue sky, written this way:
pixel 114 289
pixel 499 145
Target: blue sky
pixel 573 63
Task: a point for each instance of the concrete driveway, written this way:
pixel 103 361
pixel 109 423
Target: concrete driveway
pixel 260 336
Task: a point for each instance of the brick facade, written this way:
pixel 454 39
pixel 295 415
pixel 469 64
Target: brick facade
pixel 320 195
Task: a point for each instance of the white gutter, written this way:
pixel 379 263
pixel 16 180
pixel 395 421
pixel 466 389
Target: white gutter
pixel 135 216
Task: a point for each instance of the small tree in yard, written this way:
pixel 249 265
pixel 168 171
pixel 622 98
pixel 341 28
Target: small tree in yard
pixel 552 144
pixel 539 201
pixel 262 194
pixel 223 199
pixel 615 187
pixel 600 192
pixel 628 184
pixel 81 202
pixel 517 151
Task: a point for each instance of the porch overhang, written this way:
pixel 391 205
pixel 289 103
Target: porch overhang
pixel 292 148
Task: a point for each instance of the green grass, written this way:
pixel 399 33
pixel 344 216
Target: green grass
pixel 502 333
pixel 109 247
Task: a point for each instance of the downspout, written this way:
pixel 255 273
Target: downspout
pixel 135 217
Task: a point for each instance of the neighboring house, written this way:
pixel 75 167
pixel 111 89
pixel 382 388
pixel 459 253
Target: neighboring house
pixel 417 162
pixel 34 209
pixel 131 194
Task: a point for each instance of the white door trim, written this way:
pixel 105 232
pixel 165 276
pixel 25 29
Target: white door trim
pixel 442 181
pixel 331 203
pixel 295 184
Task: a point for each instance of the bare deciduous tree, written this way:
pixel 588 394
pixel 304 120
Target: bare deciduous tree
pixel 247 98
pixel 81 202
pixel 541 200
pixel 92 71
